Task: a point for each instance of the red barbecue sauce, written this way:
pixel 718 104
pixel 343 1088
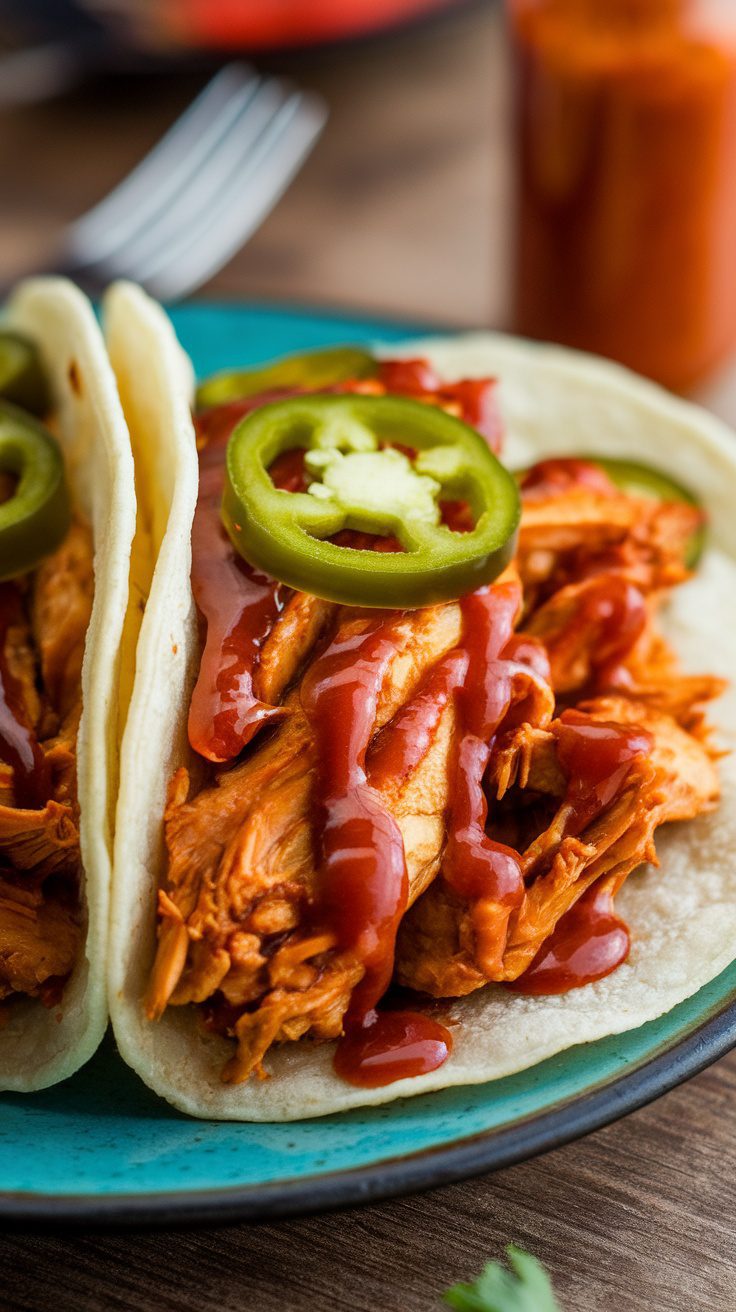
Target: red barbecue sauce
pixel 485 872
pixel 288 471
pixel 472 399
pixel 403 743
pixel 529 651
pixel 239 606
pixel 596 756
pixel 589 941
pixel 392 1045
pixel 612 608
pixel 18 745
pixel 364 883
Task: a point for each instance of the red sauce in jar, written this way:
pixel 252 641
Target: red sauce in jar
pixel 588 943
pixel 626 117
pixel 19 747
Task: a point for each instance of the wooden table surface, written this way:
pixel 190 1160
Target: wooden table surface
pixel 400 210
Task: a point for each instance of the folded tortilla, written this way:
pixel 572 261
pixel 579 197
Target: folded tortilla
pixel 682 916
pixel 40 1045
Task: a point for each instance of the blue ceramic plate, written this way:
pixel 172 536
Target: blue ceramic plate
pixel 102 1148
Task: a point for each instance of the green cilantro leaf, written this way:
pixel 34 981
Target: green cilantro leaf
pixel 525 1288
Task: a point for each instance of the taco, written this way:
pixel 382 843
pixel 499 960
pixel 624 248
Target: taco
pixel 66 523
pixel 405 730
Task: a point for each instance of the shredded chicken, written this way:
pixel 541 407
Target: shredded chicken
pixel 237 930
pixel 40 909
pixel 437 951
pixel 39 941
pixel 567 537
pixel 62 604
pixel 289 643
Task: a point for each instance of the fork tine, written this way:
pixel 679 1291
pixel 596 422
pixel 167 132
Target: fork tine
pixel 241 206
pixel 194 198
pixel 154 181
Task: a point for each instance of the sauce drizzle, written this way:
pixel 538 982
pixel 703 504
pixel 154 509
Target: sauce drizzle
pixel 588 943
pixel 239 606
pixel 405 741
pixel 612 613
pixel 485 872
pixel 590 940
pixel 364 884
pixel 596 756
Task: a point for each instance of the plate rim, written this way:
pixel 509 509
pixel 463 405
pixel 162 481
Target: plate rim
pixel 462 1159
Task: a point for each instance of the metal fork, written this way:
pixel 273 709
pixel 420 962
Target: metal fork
pixel 201 192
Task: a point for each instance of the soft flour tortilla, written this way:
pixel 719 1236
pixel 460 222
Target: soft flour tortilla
pixel 683 916
pixel 38 1045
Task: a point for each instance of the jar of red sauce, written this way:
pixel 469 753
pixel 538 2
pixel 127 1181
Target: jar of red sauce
pixel 626 180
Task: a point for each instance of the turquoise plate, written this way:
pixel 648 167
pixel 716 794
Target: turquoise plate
pixel 102 1148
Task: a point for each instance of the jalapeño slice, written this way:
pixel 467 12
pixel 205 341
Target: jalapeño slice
pixel 380 465
pixel 35 518
pixel 308 372
pixel 22 379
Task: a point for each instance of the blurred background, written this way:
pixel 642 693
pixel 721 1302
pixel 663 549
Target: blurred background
pixel 391 212
pixel 563 168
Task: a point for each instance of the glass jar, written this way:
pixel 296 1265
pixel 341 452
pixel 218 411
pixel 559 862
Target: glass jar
pixel 626 180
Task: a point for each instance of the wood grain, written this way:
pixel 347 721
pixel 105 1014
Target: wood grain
pixel 400 209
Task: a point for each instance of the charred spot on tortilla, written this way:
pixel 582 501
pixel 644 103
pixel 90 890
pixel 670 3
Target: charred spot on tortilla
pixel 75 380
